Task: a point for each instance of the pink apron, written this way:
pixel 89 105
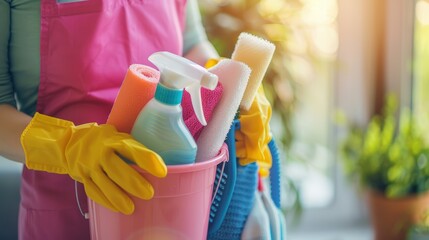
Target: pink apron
pixel 86 49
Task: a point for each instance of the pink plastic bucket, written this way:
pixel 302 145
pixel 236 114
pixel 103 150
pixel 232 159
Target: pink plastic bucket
pixel 179 210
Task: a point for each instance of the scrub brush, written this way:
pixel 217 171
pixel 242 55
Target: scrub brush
pixel 225 180
pixel 256 53
pixel 228 217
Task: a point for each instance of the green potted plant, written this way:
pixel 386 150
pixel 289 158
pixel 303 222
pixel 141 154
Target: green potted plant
pixel 418 232
pixel 390 160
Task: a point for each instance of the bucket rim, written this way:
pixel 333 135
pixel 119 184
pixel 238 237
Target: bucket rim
pixel 222 156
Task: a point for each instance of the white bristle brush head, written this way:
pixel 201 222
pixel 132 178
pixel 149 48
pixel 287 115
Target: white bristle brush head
pixel 256 53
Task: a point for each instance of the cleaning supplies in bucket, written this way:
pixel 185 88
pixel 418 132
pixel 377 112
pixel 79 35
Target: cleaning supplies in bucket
pixel 255 54
pixel 179 209
pixel 160 125
pixel 181 205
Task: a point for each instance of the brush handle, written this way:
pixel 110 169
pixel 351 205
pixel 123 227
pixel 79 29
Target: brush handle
pixel 221 202
pixel 256 53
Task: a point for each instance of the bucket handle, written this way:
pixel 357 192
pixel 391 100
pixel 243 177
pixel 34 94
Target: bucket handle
pixel 84 214
pixel 218 183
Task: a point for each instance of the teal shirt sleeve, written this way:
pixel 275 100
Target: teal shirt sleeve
pixel 20 53
pixel 194 30
pixel 6 85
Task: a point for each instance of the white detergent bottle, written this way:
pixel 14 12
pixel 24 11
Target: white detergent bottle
pixel 160 126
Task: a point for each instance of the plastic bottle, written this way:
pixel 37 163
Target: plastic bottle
pixel 160 126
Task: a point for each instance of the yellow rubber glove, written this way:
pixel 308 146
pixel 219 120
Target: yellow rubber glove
pixel 212 62
pixel 255 134
pixel 91 154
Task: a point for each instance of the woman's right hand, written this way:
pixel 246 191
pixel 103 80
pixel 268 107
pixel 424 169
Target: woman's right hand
pixel 91 154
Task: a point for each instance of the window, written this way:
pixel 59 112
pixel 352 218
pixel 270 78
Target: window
pixel 313 70
pixel 339 55
pixel 374 58
pixel 420 61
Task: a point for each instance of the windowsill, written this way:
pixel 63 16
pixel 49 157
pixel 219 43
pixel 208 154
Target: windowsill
pixel 354 233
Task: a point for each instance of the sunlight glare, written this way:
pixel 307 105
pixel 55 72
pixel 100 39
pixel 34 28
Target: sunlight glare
pixel 422 12
pixel 325 40
pixel 269 7
pixel 316 12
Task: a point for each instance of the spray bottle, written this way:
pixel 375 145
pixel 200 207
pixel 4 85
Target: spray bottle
pixel 160 126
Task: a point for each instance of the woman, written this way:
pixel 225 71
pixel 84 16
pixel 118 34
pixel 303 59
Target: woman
pixel 65 60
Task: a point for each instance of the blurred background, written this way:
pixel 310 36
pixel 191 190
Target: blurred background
pixel 331 56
